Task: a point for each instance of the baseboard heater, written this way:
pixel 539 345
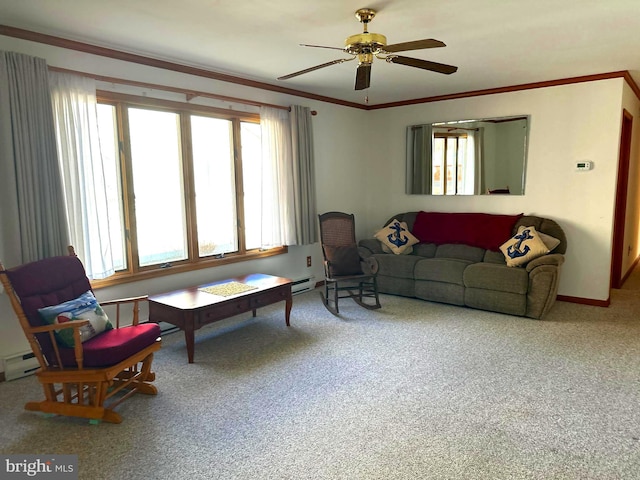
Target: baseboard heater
pixel 20 365
pixel 303 284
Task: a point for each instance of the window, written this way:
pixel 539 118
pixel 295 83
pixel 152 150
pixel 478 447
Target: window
pixel 452 167
pixel 184 184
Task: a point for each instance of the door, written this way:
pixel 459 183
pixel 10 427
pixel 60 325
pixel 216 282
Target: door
pixel 621 200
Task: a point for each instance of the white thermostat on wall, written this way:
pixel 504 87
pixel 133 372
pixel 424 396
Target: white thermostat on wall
pixel 584 166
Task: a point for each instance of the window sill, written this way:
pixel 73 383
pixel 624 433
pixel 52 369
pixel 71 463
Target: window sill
pixel 157 271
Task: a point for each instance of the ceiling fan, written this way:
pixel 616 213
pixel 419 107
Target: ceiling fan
pixel 365 46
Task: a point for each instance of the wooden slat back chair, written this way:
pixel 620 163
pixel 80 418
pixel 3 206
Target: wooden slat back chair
pixel 89 379
pixel 346 275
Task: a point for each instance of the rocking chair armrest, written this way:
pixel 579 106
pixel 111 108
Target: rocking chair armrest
pixel 125 300
pixel 77 347
pixel 120 301
pixel 75 324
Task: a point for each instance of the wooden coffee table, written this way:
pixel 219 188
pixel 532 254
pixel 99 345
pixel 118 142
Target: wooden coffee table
pixel 191 308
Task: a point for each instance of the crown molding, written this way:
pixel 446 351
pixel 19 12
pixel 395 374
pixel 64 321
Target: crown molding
pixel 201 72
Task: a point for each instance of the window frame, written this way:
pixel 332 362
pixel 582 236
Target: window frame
pixel 448 137
pixel 134 272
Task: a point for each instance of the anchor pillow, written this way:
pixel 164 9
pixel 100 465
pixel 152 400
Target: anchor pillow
pixel 523 247
pixel 396 237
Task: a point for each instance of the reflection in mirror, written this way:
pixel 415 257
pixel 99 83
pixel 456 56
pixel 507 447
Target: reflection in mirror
pixel 468 157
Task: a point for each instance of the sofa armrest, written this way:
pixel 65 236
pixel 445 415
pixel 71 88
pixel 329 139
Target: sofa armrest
pixel 369 265
pixel 369 246
pixel 550 259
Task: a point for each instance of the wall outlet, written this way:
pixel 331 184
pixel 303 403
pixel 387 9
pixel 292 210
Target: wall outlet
pixel 308 261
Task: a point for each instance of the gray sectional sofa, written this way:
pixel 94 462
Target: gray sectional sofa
pixel 471 276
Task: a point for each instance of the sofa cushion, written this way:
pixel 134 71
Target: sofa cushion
pixel 494 257
pixel 399 266
pixel 483 230
pixel 440 292
pixel 386 249
pixel 461 252
pixel 427 250
pixel 445 270
pixel 396 237
pixel 491 276
pixel 523 247
pixel 396 286
pixel 495 301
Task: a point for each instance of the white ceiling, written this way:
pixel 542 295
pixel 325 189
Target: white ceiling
pixel 495 43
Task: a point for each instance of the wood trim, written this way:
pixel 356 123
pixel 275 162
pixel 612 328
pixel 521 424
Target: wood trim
pixel 200 72
pixel 183 267
pixel 157 103
pixel 189 94
pixel 631 82
pixel 630 271
pixel 620 212
pixel 512 88
pixel 584 301
pixel 163 64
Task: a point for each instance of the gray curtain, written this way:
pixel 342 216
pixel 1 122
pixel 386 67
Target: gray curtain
pixel 419 139
pixel 478 151
pixel 304 178
pixel 34 223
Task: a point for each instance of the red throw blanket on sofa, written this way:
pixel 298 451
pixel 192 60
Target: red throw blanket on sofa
pixel 484 230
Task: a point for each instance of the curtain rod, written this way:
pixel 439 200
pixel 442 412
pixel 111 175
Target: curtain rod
pixel 189 94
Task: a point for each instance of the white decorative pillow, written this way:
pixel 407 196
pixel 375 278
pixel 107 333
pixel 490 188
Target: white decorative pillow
pixel 396 237
pixel 523 247
pixel 85 307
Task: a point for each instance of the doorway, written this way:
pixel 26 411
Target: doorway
pixel 621 201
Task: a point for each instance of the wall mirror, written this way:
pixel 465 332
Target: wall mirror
pixel 468 157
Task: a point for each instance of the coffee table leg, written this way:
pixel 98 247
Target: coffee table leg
pixel 287 308
pixel 189 336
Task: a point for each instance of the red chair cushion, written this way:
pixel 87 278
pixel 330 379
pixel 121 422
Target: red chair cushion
pixel 113 346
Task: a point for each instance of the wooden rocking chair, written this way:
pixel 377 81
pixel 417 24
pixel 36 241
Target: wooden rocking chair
pixel 91 378
pixel 346 275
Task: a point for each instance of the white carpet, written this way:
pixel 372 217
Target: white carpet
pixel 415 390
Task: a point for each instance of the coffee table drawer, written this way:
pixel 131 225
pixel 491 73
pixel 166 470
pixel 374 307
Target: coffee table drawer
pixel 220 311
pixel 270 296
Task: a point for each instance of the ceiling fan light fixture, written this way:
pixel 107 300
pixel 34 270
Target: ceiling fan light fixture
pixel 365 59
pixel 364 43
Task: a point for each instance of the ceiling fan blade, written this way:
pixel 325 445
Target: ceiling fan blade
pixel 321 46
pixel 424 64
pixel 363 76
pixel 317 67
pixel 415 45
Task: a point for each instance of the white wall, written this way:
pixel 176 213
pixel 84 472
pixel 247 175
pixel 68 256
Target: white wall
pixel 360 169
pixel 569 123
